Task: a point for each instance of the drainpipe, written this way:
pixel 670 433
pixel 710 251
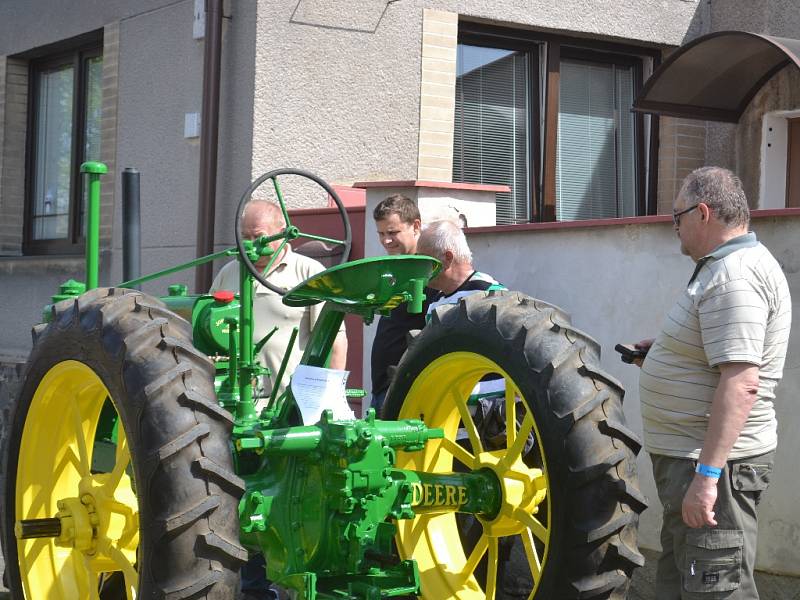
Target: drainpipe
pixel 209 138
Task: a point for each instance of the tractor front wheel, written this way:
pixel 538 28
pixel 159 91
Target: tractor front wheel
pixel 120 481
pixel 519 393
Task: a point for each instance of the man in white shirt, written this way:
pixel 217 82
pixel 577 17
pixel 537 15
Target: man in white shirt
pixel 289 269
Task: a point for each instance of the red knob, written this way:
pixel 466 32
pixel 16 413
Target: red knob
pixel 224 296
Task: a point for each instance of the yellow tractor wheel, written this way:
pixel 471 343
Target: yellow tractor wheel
pixel 119 481
pixel 518 392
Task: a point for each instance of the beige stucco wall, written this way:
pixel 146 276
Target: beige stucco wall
pixel 338 91
pixel 152 78
pixel 618 283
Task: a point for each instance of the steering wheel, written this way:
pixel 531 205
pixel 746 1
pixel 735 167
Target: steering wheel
pixel 290 232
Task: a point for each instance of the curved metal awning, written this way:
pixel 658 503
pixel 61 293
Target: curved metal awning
pixel 715 76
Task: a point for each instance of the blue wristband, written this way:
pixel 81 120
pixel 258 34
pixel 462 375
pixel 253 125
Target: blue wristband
pixel 708 471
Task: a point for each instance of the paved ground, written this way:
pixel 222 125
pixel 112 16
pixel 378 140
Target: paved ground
pixel 771 587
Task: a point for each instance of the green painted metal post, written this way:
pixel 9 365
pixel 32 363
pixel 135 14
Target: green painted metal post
pixel 94 169
pixel 245 410
pixel 417 295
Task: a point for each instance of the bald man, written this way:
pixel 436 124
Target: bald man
pixel 289 269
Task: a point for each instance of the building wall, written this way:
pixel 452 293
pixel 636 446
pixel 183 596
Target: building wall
pixel 780 93
pixel 618 282
pixel 152 76
pixel 363 123
pixel 682 149
pixel 33 23
pixel 310 85
pixel 738 146
pixel 151 130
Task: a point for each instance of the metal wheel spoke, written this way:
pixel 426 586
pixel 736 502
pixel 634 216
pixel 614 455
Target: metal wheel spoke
pixel 418 526
pixel 511 413
pixel 122 458
pixel 533 524
pixel 475 557
pixel 266 271
pixel 128 570
pixel 459 453
pixel 281 202
pixel 515 449
pixel 466 420
pixel 533 556
pixel 77 426
pixel 321 238
pixel 491 571
pixel 93 583
pixel 74 577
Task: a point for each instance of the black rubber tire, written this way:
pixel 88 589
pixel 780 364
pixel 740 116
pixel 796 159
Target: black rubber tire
pixel 590 452
pixel 163 391
pixel 9 389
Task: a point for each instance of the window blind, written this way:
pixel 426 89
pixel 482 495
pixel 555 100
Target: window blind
pixel 595 170
pixel 491 131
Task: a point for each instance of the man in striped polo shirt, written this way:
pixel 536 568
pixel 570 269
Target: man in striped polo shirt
pixel 707 388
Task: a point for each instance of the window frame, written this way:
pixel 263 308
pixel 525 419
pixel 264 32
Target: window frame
pixel 545 50
pixel 78 56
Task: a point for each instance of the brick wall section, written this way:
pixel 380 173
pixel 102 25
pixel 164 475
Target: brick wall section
pixel 682 148
pixel 13 126
pixel 437 95
pixel 108 130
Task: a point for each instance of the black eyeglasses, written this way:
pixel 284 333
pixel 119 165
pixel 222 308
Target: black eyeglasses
pixel 676 217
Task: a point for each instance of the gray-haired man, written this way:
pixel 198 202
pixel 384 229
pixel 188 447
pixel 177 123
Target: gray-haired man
pixel 707 389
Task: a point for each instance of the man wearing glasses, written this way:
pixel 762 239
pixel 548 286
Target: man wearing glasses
pixel 707 387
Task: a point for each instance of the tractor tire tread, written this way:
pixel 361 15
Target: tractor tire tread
pixel 163 391
pixel 224 477
pixel 581 407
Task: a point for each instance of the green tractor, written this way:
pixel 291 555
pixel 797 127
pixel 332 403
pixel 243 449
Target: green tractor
pixel 137 466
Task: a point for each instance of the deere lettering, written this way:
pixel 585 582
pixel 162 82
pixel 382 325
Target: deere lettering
pixel 437 494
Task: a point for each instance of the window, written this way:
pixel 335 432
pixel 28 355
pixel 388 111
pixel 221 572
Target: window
pixel 64 131
pixel 596 160
pixel 594 165
pixel 491 125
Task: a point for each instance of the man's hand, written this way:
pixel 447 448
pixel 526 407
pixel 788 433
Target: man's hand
pixel 698 503
pixel 643 345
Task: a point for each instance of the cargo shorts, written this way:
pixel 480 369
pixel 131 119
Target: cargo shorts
pixel 710 563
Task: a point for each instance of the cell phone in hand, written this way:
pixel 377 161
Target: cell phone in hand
pixel 629 352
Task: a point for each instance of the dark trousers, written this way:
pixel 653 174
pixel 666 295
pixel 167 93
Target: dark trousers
pixel 710 562
pixel 255 584
pixel 377 402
